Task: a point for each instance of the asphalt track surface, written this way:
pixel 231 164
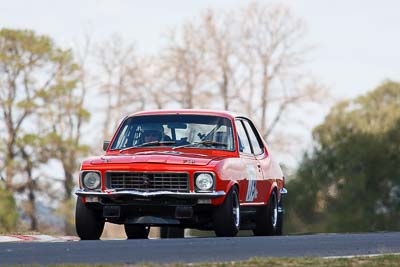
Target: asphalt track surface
pixel 191 250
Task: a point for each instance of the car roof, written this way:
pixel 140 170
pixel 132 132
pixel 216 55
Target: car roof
pixel 210 112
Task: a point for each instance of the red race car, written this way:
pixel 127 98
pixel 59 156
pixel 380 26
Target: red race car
pixel 178 169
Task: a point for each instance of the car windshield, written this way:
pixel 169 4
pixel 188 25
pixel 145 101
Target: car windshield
pixel 206 132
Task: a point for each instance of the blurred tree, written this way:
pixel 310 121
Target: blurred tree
pixel 63 114
pixel 351 179
pixel 120 81
pixel 273 51
pixel 222 42
pixel 8 211
pixel 41 111
pixel 249 61
pixel 184 66
pixel 24 57
pixel 155 82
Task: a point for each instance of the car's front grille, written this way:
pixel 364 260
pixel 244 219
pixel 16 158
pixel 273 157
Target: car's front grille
pixel 149 181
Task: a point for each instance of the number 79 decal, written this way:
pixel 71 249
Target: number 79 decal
pixel 252 186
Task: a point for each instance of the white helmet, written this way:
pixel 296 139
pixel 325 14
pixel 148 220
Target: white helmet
pixel 152 129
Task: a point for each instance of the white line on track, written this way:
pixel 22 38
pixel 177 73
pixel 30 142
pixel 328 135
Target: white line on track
pixel 358 256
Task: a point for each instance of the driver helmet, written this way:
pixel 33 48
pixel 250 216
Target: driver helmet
pixel 152 132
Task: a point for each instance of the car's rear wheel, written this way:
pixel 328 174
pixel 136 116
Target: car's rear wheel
pixel 89 223
pixel 267 217
pixel 172 232
pixel 226 216
pixel 133 231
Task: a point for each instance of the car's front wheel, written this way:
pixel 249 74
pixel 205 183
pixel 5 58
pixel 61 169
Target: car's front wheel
pixel 226 216
pixel 267 217
pixel 133 231
pixel 89 224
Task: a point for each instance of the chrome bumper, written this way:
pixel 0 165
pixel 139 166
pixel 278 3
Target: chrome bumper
pixel 115 193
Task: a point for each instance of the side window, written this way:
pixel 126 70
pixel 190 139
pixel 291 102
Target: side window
pixel 255 143
pixel 244 145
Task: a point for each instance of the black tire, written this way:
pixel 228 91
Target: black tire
pixel 267 217
pixel 88 223
pixel 133 231
pixel 226 216
pixel 172 232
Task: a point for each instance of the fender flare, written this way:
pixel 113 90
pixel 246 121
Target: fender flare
pixel 274 186
pixel 228 187
pixel 231 184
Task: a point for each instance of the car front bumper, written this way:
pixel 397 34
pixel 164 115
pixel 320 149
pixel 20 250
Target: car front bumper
pixel 116 193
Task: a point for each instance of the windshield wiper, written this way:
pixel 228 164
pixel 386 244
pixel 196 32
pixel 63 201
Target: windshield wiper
pixel 152 143
pixel 204 142
pixel 126 148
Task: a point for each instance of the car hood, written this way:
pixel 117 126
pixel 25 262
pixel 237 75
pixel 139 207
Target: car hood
pixel 156 157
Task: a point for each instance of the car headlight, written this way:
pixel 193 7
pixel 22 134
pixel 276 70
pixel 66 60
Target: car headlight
pixel 204 182
pixel 91 180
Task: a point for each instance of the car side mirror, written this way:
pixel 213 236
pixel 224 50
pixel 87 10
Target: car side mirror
pixel 105 145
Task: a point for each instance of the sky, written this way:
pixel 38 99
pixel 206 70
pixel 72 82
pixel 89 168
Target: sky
pixel 355 43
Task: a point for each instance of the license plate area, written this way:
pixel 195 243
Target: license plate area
pixel 112 211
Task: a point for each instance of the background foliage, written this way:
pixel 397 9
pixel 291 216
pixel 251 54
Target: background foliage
pixel 350 181
pixel 8 211
pixel 41 107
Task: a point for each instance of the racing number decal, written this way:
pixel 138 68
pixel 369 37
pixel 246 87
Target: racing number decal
pixel 251 190
pixel 252 186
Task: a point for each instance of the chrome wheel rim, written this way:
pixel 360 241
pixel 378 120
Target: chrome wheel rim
pixel 274 217
pixel 236 210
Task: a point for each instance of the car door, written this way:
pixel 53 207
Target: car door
pixel 263 160
pixel 249 186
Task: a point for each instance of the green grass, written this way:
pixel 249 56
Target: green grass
pixel 378 261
